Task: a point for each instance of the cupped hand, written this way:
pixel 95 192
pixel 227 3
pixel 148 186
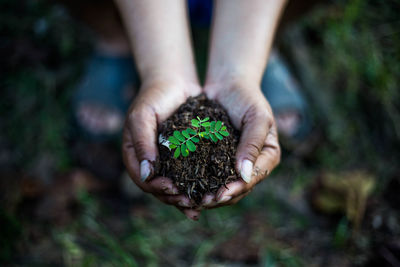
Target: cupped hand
pixel 155 102
pixel 258 152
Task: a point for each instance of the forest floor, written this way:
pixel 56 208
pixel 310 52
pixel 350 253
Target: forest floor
pixel 66 201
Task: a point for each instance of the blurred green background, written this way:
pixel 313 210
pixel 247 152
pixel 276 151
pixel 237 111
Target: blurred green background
pixel 64 201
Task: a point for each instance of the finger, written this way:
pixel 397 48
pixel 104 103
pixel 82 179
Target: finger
pixel 180 201
pixel 142 125
pixel 129 156
pixel 158 185
pixel 255 127
pixel 162 186
pixel 232 190
pixel 268 159
pixel 192 214
pixel 207 200
pixel 232 201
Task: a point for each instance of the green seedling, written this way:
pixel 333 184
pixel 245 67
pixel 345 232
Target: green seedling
pixel 184 142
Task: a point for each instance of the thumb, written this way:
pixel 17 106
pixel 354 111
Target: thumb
pixel 255 127
pixel 143 128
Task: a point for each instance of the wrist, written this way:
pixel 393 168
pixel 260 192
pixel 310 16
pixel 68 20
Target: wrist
pixel 184 85
pixel 228 84
pixel 233 77
pixel 168 73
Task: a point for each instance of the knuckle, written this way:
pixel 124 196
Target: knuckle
pixel 276 154
pixel 252 151
pixel 140 146
pixel 134 116
pixel 264 115
pixel 250 115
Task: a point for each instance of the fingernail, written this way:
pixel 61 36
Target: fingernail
pixel 224 199
pixel 171 191
pixel 144 170
pixel 247 169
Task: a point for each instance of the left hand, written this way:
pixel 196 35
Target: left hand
pixel 156 101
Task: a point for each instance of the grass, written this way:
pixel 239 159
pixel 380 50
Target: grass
pixel 350 73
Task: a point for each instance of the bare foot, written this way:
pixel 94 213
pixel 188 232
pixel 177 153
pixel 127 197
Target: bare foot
pixel 288 123
pixel 99 119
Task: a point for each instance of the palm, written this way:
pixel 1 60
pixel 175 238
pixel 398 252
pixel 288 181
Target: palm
pixel 153 105
pixel 258 148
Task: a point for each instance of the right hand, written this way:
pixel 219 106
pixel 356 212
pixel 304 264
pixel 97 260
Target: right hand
pixel 156 101
pixel 258 151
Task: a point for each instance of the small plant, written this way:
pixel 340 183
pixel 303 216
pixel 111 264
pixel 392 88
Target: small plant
pixel 183 141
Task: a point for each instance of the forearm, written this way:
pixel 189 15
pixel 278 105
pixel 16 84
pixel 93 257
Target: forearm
pixel 159 35
pixel 242 36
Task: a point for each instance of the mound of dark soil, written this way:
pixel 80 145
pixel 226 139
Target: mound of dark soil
pixel 212 165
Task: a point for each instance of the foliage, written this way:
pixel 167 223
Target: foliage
pixel 355 49
pixel 354 54
pixel 42 51
pixel 183 141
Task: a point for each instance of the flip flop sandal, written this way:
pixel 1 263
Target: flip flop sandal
pixel 284 95
pixel 108 85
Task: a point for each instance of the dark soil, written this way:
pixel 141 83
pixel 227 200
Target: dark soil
pixel 212 165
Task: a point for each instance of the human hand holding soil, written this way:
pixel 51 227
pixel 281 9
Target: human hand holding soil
pixel 240 43
pixel 159 34
pixel 154 104
pixel 258 152
pixel 241 39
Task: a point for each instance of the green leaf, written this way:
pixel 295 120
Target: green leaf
pixel 195 139
pixel 191 146
pixel 191 131
pixel 218 136
pixel 206 124
pixel 206 136
pixel 224 133
pixel 172 146
pixel 179 136
pixel 177 152
pixel 212 127
pixel 206 119
pixel 195 123
pixel 207 130
pixel 218 125
pixel 173 140
pixel 223 128
pixel 185 134
pixel 184 150
pixel 212 136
